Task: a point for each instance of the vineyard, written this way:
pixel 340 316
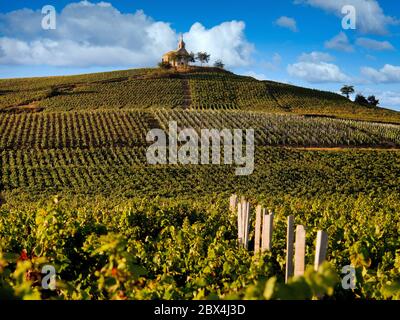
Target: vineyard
pixel 155 89
pixel 152 249
pixel 123 172
pixel 77 192
pixel 72 130
pixel 93 129
pixel 105 151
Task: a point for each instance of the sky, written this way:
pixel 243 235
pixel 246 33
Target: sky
pixel 302 42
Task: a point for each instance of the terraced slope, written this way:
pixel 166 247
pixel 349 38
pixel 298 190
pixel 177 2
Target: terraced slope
pixel 105 151
pixel 200 89
pixel 116 128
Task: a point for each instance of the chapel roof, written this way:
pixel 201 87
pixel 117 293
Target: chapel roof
pixel 181 49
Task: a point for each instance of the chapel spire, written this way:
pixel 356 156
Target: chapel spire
pixel 181 44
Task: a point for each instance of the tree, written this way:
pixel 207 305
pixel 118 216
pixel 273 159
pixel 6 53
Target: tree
pixel 373 101
pixel 219 64
pixel 192 57
pixel 164 65
pixel 347 91
pixel 361 100
pixel 203 57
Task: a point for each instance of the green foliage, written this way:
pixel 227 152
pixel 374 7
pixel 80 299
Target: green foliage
pixel 180 249
pixel 373 102
pixel 219 64
pixel 146 251
pixel 203 57
pixel 361 100
pixel 107 236
pixel 164 65
pixel 124 172
pixel 311 285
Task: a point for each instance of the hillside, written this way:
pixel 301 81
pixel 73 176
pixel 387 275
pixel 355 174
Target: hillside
pixel 77 188
pixel 87 133
pixel 199 89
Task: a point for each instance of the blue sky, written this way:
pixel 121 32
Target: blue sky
pixel 295 41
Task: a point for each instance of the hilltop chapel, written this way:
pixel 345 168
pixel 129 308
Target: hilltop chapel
pixel 179 58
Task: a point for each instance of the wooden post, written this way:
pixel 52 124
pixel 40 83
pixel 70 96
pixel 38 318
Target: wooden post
pixel 246 224
pixel 240 223
pixel 289 248
pixel 233 202
pixel 300 251
pixel 257 237
pixel 268 225
pixel 321 249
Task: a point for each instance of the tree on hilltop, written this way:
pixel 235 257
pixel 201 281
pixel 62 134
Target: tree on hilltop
pixel 219 64
pixel 347 91
pixel 361 100
pixel 373 101
pixel 203 57
pixel 192 58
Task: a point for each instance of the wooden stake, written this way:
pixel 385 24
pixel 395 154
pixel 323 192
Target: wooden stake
pixel 240 223
pixel 300 251
pixel 321 249
pixel 246 225
pixel 257 236
pixel 233 202
pixel 268 225
pixel 289 248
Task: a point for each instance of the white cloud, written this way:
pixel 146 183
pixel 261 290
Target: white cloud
pixel 390 99
pixel 258 76
pixel 226 41
pixel 90 34
pixel 273 64
pixel 340 43
pixel 370 16
pixel 315 68
pixel 317 72
pixel 67 53
pixel 374 44
pixel 387 74
pixel 316 57
pixel 286 22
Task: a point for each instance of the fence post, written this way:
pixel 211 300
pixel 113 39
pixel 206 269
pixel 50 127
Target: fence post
pixel 267 229
pixel 239 221
pixel 233 202
pixel 246 224
pixel 289 248
pixel 321 249
pixel 300 251
pixel 257 236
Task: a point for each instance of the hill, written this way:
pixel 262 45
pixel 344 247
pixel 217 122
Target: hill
pixel 198 89
pixel 81 140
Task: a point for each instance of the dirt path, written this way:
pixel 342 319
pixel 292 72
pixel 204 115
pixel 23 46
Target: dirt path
pixel 187 95
pixel 31 107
